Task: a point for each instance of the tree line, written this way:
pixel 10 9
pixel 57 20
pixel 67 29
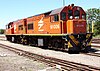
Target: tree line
pixel 93 15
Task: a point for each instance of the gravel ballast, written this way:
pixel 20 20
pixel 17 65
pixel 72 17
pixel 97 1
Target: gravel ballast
pixel 9 61
pixel 78 58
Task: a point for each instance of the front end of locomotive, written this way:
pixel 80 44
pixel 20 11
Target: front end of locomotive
pixel 77 37
pixel 79 42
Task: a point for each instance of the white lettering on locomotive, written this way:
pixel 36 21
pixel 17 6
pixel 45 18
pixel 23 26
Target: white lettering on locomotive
pixel 56 26
pixel 15 28
pixel 79 25
pixel 40 25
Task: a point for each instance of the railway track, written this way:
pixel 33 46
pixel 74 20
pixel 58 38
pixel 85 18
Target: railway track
pixel 61 64
pixel 95 46
pixel 97 41
pixel 92 54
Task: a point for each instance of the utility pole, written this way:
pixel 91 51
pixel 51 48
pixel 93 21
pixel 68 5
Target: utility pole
pixel 63 2
pixel 92 26
pixel 88 26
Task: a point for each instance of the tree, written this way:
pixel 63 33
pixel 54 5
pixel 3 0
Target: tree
pixel 2 31
pixel 97 28
pixel 93 14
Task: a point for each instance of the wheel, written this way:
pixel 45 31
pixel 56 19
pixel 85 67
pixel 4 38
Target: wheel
pixel 56 44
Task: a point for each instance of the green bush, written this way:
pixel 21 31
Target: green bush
pixel 2 31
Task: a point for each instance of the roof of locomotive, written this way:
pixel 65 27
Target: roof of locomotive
pixel 52 12
pixel 56 11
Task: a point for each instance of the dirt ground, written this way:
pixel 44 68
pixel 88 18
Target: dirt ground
pixel 9 61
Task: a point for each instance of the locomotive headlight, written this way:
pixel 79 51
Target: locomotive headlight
pixel 71 17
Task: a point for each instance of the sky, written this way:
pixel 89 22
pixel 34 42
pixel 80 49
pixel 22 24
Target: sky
pixel 12 10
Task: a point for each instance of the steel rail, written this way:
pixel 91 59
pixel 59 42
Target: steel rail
pixel 64 65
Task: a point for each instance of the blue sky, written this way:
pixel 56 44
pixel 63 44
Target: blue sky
pixel 11 10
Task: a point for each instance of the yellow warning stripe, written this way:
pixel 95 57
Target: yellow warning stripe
pixel 87 37
pixel 74 39
pixel 69 45
pixel 89 43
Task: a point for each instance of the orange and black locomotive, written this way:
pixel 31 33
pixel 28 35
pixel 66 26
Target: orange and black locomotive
pixel 62 28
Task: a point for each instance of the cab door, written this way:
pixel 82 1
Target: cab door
pixel 64 27
pixel 63 22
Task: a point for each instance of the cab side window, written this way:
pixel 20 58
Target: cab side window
pixel 70 14
pixel 20 27
pixel 30 26
pixel 77 14
pixel 63 16
pixel 55 18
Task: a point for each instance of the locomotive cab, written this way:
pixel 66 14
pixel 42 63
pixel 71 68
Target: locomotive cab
pixel 74 20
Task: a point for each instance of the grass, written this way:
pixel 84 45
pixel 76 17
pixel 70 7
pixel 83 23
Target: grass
pixel 97 36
